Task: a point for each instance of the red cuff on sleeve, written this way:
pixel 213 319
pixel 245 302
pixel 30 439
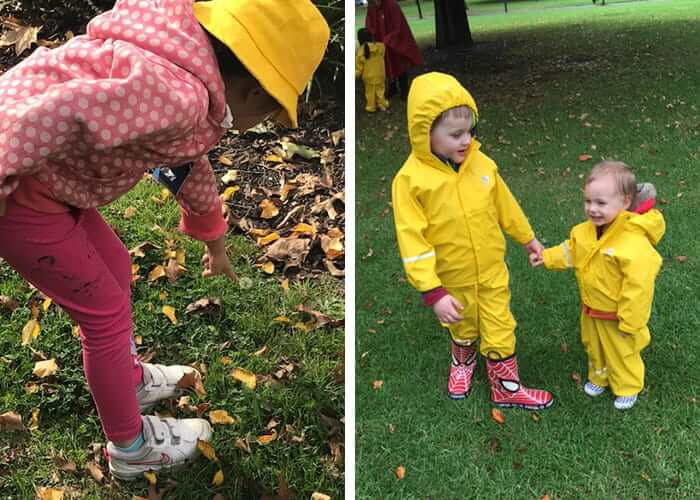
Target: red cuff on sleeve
pixel 645 206
pixel 431 297
pixel 208 227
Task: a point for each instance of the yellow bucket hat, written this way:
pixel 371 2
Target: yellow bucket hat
pixel 280 42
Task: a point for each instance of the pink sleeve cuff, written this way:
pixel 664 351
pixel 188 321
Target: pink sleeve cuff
pixel 207 227
pixel 431 297
pixel 645 206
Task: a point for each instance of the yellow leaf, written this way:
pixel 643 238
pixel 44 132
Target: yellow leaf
pixel 269 209
pixel 30 331
pixel 225 160
pixel 75 331
pixel 229 176
pixel 319 496
pixel 377 384
pixel 46 368
pixel 268 267
pixel 44 493
pixel 260 351
pixel 218 478
pixel 497 415
pixel 221 417
pixel 266 439
pixel 138 339
pixel 164 194
pixel 229 192
pixel 170 313
pixel 304 228
pixel 246 377
pixel 156 273
pixel 11 421
pixel 266 240
pixel 400 472
pixel 180 257
pixel 333 247
pixel 31 388
pixel 281 319
pixel 207 450
pixel 129 212
pixel 273 158
pixel 285 284
pixel 150 477
pixel 34 422
pixel 46 304
pixel 226 360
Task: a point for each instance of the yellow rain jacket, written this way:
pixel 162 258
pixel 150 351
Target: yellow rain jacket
pixel 448 223
pixel 615 273
pixel 371 69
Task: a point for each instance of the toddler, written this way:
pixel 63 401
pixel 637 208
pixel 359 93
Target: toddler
pixel 450 207
pixel 369 65
pixel 615 262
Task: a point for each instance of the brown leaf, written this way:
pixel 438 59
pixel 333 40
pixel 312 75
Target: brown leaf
pixel 377 384
pixel 242 444
pixel 682 258
pixel 8 303
pixel 564 347
pixel 95 471
pixel 584 157
pixel 290 251
pixel 319 496
pixel 192 380
pixel 333 247
pixel 140 250
pixel 206 304
pixel 269 209
pixel 225 160
pixel 497 416
pixel 338 273
pixel 535 417
pixel 173 270
pixel 266 439
pixel 129 212
pixel 44 493
pixel 400 472
pixel 22 37
pixel 576 377
pixel 11 421
pixel 337 136
pixel 320 318
pixel 156 273
pixel 45 368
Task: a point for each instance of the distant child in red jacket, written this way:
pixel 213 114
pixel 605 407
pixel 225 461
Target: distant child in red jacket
pixel 386 22
pixel 151 84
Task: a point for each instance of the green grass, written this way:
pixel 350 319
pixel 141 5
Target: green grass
pixel 69 423
pixel 609 82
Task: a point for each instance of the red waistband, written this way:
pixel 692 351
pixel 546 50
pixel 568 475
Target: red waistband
pixel 595 314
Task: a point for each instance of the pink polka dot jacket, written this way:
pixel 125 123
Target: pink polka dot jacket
pixel 140 89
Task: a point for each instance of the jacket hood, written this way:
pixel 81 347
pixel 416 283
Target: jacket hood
pixel 650 224
pixel 374 47
pixel 168 29
pixel 430 95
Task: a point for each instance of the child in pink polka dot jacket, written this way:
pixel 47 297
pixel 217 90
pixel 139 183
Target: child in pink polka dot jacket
pixel 153 83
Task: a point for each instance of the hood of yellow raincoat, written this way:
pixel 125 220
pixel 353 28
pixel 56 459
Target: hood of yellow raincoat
pixel 281 43
pixel 375 47
pixel 650 224
pixel 430 95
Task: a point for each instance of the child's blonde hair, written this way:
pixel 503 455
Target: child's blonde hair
pixel 457 112
pixel 625 181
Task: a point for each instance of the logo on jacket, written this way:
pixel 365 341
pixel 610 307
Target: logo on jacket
pixel 609 251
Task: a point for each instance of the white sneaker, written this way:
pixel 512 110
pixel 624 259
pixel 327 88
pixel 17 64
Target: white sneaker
pixel 593 390
pixel 167 442
pixel 159 382
pixel 625 402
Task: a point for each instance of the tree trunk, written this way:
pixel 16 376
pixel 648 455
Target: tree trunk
pixel 451 24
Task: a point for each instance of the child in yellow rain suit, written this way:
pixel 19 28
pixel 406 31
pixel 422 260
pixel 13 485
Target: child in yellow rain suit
pixel 616 265
pixel 450 206
pixel 369 65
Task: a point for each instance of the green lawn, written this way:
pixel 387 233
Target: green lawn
pixel 299 388
pixel 614 82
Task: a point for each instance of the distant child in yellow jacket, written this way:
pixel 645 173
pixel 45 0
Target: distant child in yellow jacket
pixel 450 207
pixel 369 65
pixel 616 265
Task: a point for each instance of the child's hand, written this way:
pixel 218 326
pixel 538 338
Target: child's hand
pixel 447 310
pixel 216 261
pixel 536 260
pixel 534 247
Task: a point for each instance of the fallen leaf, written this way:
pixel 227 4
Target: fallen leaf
pixel 269 209
pixel 22 37
pixel 320 318
pixel 129 212
pixel 497 416
pixel 682 258
pixel 377 384
pixel 229 192
pixel 150 477
pixel 30 331
pixel 266 240
pixel 95 471
pixel 319 496
pixel 268 267
pixel 246 377
pixel 229 176
pixel 34 421
pixel 290 149
pixel 332 247
pixel 207 450
pixel 31 388
pixel 43 369
pixel 46 304
pixel 44 493
pixel 266 439
pixel 169 311
pixel 173 270
pixel 65 465
pixel 242 444
pixel 400 472
pixel 192 380
pixel 225 160
pixel 535 417
pixel 260 351
pixel 337 136
pixel 140 250
pixel 8 303
pixel 156 273
pixel 11 421
pixel 203 305
pixel 576 377
pixel 338 273
pixel 584 157
pixel 218 479
pixel 292 252
pixel 221 417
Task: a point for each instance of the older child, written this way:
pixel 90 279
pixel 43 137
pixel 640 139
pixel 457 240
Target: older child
pixel 150 84
pixel 450 206
pixel 369 65
pixel 616 265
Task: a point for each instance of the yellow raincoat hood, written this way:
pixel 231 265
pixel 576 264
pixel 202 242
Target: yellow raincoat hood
pixel 430 95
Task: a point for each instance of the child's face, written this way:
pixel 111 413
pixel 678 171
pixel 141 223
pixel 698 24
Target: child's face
pixel 603 202
pixel 250 104
pixel 451 137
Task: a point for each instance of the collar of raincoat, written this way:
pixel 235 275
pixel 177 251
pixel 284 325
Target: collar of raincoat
pixel 373 47
pixel 430 95
pixel 167 29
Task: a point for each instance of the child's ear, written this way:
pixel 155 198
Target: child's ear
pixel 628 202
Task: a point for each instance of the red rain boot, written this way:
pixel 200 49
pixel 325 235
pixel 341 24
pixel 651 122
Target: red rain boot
pixel 506 390
pixel 461 371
